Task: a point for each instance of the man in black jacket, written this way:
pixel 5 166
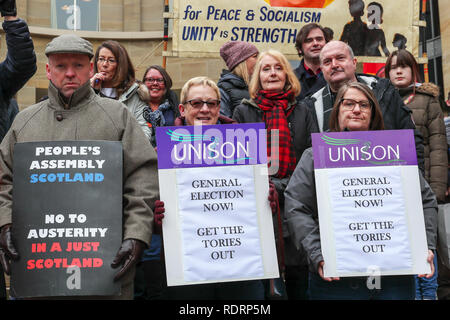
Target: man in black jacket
pixel 338 65
pixel 18 67
pixel 309 43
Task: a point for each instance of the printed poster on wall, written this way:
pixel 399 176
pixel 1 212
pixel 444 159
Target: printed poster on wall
pixel 67 218
pixel 372 29
pixel 370 203
pixel 218 223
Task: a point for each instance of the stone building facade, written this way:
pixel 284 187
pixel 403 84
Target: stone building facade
pixel 138 25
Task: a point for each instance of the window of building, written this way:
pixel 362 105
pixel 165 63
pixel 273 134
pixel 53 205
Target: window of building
pixel 76 14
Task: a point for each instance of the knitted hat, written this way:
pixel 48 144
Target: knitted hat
pixel 234 52
pixel 69 43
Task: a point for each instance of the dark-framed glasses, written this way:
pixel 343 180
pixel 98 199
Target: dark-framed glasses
pixel 198 104
pixel 151 80
pixel 350 104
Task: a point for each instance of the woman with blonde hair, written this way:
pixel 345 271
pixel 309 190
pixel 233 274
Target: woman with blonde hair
pixel 200 105
pixel 273 90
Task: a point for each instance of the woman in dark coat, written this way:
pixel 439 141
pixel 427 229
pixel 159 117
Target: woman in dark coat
pixel 273 90
pixel 240 58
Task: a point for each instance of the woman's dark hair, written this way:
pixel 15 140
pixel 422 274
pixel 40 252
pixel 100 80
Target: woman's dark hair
pixel 404 59
pixel 124 77
pixel 165 75
pixel 168 94
pixel 376 117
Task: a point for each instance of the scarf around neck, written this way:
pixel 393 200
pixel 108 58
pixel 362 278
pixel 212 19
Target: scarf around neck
pixel 275 106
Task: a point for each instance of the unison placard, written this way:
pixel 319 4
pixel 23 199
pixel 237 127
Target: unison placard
pixel 369 201
pixel 67 217
pixel 218 223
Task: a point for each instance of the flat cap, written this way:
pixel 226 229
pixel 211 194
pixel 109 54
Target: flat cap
pixel 69 43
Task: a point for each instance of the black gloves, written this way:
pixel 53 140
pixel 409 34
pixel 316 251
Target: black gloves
pixel 7 250
pixel 128 255
pixel 8 8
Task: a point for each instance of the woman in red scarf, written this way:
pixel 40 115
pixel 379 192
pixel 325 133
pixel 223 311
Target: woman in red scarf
pixel 273 89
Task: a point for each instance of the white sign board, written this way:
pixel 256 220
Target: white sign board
pixel 218 223
pixel 370 204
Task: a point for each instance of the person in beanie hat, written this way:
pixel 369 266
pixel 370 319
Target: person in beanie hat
pixel 240 58
pixel 73 112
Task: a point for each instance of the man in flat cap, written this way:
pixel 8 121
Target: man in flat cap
pixel 74 112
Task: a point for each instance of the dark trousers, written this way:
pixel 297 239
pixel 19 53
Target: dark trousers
pixel 148 283
pixel 355 288
pixel 2 284
pixel 296 282
pixel 236 290
pixel 443 291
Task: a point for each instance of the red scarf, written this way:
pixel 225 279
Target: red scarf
pixel 276 111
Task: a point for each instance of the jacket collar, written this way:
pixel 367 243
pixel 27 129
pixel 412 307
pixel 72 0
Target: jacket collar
pixel 235 80
pixel 303 71
pixel 127 94
pixel 80 95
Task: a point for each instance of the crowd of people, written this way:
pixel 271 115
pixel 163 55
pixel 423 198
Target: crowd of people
pixel 323 94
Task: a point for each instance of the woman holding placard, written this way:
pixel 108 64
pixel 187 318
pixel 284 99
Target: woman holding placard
pixel 273 90
pixel 200 105
pixel 356 109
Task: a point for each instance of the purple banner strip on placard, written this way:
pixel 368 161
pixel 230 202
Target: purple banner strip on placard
pixel 213 145
pixel 364 149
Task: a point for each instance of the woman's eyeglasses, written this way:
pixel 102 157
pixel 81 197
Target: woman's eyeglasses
pixel 151 80
pixel 198 104
pixel 350 104
pixel 103 60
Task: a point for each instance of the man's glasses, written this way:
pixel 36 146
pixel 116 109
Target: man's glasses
pixel 198 104
pixel 350 104
pixel 103 60
pixel 151 80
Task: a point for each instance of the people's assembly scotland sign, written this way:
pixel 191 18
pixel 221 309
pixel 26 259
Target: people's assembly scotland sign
pixel 372 29
pixel 67 218
pixel 218 223
pixel 370 204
